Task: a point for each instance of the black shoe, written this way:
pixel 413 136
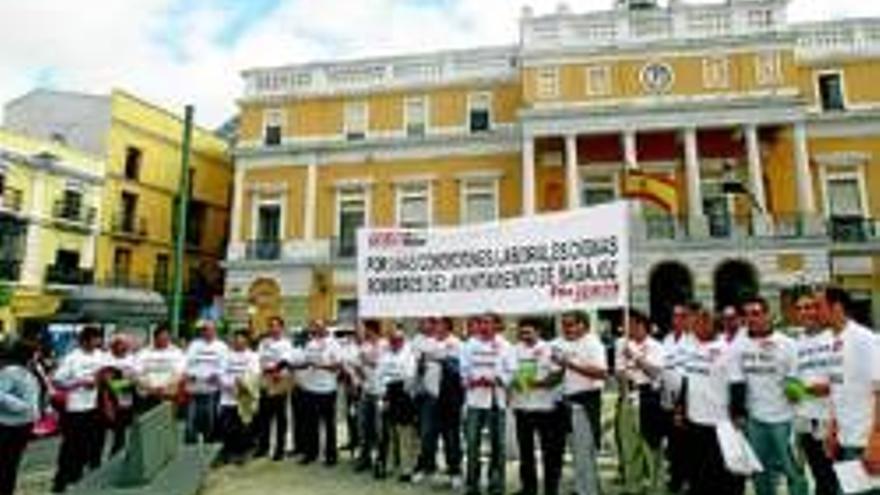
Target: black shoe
pixel 58 487
pixel 330 462
pixel 278 456
pixel 379 472
pixel 260 454
pixel 305 461
pixel 360 467
pixel 405 478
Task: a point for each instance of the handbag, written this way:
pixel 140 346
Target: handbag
pixel 739 457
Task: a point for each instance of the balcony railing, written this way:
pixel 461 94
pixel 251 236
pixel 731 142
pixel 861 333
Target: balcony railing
pixel 129 225
pixel 854 229
pixel 264 250
pixel 343 249
pixel 778 226
pixel 10 270
pixel 10 199
pixel 66 275
pixel 74 212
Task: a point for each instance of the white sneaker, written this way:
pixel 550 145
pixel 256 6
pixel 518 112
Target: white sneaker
pixel 456 483
pixel 418 477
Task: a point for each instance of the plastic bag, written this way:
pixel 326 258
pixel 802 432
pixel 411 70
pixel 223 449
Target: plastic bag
pixel 739 457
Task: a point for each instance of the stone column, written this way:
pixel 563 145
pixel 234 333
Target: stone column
pixel 697 224
pixel 311 200
pixel 33 264
pixel 571 172
pixel 528 176
pixel 760 215
pixel 236 248
pixel 806 201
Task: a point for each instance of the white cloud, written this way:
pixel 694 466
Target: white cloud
pixel 96 45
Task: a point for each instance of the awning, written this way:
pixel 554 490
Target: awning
pixel 124 307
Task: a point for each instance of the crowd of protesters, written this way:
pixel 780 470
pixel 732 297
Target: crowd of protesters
pixel 809 391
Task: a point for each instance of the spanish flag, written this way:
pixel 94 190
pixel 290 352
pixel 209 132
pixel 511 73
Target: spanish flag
pixel 657 189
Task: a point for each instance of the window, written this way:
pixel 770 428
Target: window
pixel 598 80
pixel 67 260
pixel 548 82
pixel 416 116
pixel 768 68
pixel 273 126
pixel 128 212
pixel 761 18
pixel 845 207
pixel 196 215
pixel 413 205
pixel 2 181
pixel 160 273
pixel 121 267
pixel 717 208
pixel 479 201
pixel 356 118
pixel 351 215
pixel 716 73
pixel 133 157
pixel 831 91
pixel 346 310
pixel 266 231
pixel 71 204
pixel 598 190
pixel 480 112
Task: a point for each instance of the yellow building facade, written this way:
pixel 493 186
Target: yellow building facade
pixel 766 129
pixel 49 225
pixel 142 146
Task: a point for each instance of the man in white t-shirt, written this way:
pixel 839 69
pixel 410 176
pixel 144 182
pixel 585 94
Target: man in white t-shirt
pixel 855 383
pixel 814 344
pixel 675 349
pixel 766 363
pixel 535 400
pixel 159 369
pixel 238 383
pixel 274 353
pixel 320 382
pixel 706 403
pixel 364 371
pixel 486 370
pixel 205 363
pixel 82 428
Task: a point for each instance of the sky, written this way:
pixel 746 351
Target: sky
pixel 174 52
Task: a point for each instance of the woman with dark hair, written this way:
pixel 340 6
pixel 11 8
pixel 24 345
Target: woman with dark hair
pixel 19 409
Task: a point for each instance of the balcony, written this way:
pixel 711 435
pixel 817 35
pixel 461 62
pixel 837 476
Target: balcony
pixel 10 199
pixel 129 225
pixel 10 270
pixel 126 280
pixel 65 275
pixel 263 250
pixel 74 213
pixel 854 230
pixel 727 228
pixel 343 249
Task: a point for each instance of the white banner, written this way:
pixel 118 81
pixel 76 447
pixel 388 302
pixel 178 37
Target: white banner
pixel 541 264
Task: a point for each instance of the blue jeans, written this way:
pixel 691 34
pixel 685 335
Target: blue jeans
pixel 772 443
pixel 201 417
pixel 477 420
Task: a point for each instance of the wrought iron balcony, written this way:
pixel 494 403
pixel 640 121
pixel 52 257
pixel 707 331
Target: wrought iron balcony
pixel 10 199
pixel 854 229
pixel 10 270
pixel 127 280
pixel 66 275
pixel 129 225
pixel 779 226
pixel 264 250
pixel 74 212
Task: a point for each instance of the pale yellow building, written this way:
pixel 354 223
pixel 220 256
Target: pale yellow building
pixel 767 130
pixel 141 144
pixel 49 226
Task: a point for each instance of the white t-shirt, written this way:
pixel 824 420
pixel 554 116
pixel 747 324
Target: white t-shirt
pixel 399 366
pixel 205 362
pixel 538 357
pixel 239 365
pixel 814 362
pixel 274 351
pixel 587 350
pixel 365 364
pixel 764 364
pixel 706 369
pixel 675 351
pixel 649 351
pixel 160 368
pixel 491 360
pixel 434 351
pixel 78 370
pixel 323 351
pixel 855 376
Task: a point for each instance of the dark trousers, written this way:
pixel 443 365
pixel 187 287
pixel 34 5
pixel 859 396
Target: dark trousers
pixel 676 452
pixel 591 401
pixel 298 420
pixel 477 421
pixel 273 411
pixel 234 433
pixel 352 419
pixel 547 425
pixel 707 474
pixel 13 442
pixel 435 425
pixel 369 426
pixel 124 418
pixel 320 415
pixel 820 465
pixel 82 444
pixel 201 417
